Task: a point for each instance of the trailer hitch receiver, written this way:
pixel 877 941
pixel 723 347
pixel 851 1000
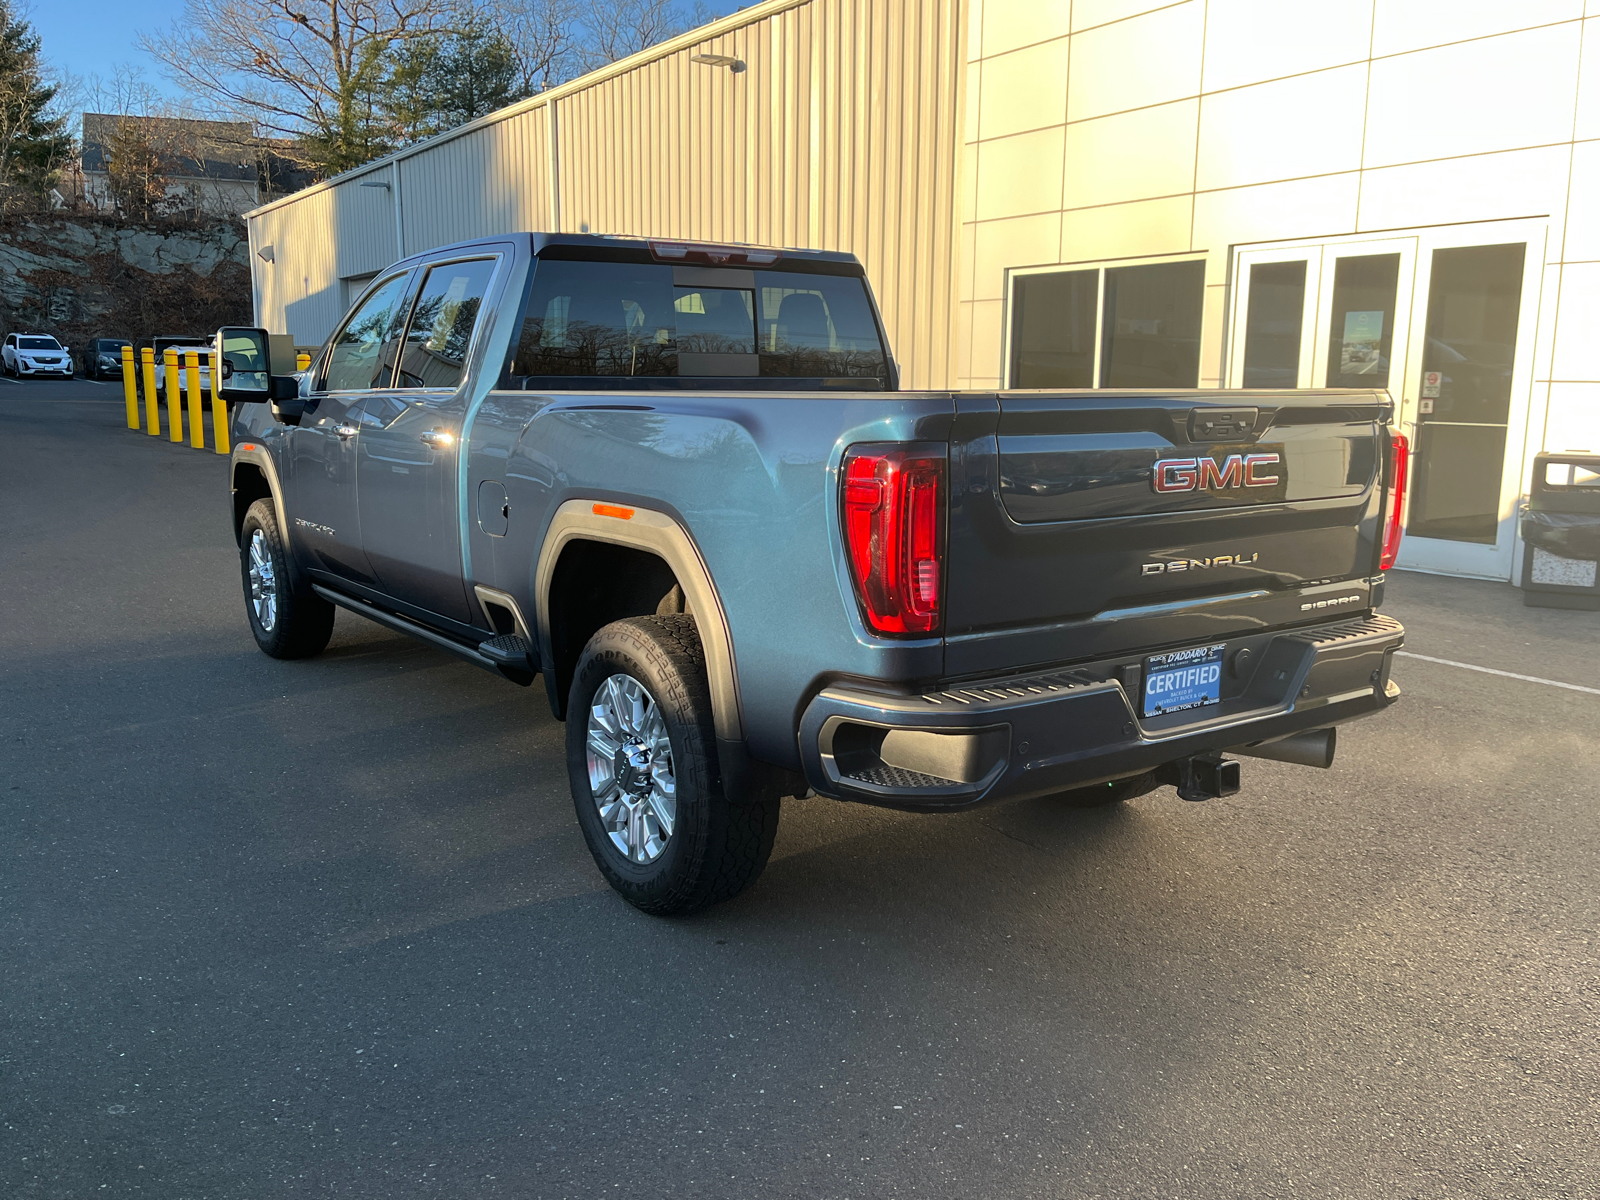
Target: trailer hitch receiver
pixel 1202 776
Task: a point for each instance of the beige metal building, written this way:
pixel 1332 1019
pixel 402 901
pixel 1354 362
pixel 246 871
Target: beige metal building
pixel 1088 193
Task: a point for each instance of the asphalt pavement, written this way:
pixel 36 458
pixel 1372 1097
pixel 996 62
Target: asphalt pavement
pixel 328 928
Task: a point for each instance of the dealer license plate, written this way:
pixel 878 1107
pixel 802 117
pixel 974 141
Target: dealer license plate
pixel 1182 679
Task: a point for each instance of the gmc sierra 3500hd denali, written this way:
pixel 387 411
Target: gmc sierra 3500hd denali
pixel 679 482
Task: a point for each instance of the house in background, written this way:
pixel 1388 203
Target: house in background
pixel 162 166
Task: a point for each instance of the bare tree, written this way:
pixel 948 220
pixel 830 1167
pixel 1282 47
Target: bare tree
pixel 613 29
pixel 544 35
pixel 309 69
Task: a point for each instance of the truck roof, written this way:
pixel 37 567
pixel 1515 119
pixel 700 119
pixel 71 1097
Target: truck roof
pixel 616 247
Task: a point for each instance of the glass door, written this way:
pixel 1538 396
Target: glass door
pixel 1443 319
pixel 1275 317
pixel 1465 403
pixel 1322 315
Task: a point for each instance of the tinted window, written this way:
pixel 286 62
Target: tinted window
pixel 1052 329
pixel 599 319
pixel 440 332
pixel 1150 333
pixel 645 319
pixel 1272 325
pixel 354 359
pixel 38 343
pixel 1362 325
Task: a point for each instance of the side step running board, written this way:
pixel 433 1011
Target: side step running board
pixel 499 660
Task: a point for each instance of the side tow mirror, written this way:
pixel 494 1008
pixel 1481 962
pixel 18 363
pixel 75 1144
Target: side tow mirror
pixel 245 365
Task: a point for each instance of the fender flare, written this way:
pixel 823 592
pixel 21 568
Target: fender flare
pixel 655 532
pixel 257 456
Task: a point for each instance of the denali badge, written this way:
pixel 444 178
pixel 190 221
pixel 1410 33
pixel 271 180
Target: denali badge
pixel 1198 564
pixel 1206 474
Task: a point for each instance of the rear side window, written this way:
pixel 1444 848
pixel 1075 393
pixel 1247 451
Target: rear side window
pixel 440 333
pixel 354 360
pixel 646 320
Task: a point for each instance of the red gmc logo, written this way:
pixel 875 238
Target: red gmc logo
pixel 1206 474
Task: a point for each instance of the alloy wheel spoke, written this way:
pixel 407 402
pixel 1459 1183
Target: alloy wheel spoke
pixel 601 743
pixel 625 721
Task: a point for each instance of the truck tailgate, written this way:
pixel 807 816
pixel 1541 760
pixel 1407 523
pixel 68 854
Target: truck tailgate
pixel 1089 524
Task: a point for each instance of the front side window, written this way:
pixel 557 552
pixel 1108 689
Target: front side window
pixel 439 335
pixel 654 320
pixel 1147 315
pixel 355 361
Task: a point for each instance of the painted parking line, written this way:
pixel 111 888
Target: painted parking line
pixel 1450 662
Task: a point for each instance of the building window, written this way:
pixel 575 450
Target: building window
pixel 1134 326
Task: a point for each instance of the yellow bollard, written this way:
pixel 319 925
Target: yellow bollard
pixel 130 389
pixel 197 421
pixel 302 360
pixel 152 405
pixel 173 380
pixel 219 411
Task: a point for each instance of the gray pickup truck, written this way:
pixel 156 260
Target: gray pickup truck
pixel 680 483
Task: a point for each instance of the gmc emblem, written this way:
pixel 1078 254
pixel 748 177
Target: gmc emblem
pixel 1206 474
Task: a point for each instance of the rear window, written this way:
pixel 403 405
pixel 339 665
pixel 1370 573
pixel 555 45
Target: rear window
pixel 38 343
pixel 646 321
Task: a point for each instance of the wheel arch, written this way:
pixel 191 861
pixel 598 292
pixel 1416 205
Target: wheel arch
pixel 644 531
pixel 255 477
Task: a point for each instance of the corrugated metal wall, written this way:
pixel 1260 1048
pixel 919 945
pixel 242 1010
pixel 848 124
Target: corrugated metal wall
pixel 493 179
pixel 842 132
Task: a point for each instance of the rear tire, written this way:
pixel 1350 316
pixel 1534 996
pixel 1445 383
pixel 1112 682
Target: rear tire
pixel 1098 795
pixel 288 619
pixel 642 760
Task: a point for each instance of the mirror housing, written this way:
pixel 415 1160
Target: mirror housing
pixel 288 405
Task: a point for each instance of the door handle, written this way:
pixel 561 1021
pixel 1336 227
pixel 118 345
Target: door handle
pixel 438 437
pixel 345 432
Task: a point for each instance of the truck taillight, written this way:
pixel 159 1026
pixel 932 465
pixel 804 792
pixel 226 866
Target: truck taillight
pixel 894 535
pixel 1399 463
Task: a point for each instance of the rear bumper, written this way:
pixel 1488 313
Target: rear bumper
pixel 1034 734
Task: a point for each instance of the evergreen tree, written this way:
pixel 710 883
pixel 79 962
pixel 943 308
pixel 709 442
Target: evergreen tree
pixel 439 83
pixel 34 145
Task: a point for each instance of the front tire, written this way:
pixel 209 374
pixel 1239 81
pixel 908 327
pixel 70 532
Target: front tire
pixel 641 757
pixel 288 619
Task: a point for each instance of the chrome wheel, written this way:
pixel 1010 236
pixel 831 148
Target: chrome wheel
pixel 630 769
pixel 263 583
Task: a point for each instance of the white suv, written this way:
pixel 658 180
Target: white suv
pixel 26 354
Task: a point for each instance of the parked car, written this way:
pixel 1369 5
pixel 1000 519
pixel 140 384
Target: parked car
pixel 183 344
pixel 681 484
pixel 102 358
pixel 26 355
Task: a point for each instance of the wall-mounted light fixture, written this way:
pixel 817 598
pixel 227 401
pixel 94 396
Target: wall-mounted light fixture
pixel 265 254
pixel 718 60
pixel 383 183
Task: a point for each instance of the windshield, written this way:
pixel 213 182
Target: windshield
pixel 646 320
pixel 38 343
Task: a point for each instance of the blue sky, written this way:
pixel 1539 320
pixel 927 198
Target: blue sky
pixel 89 37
